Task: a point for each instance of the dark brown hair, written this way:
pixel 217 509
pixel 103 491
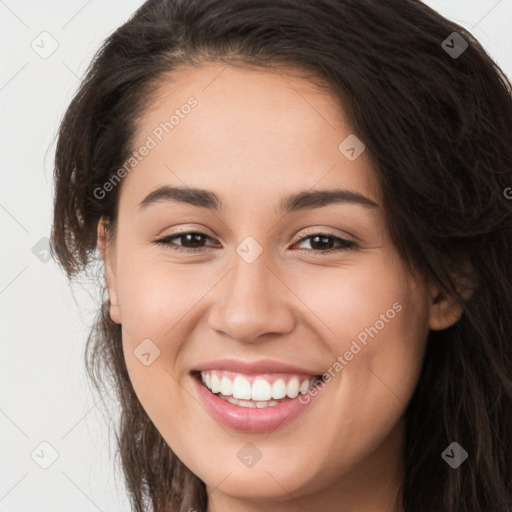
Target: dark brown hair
pixel 439 131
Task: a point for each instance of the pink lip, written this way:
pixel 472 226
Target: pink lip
pixel 254 367
pixel 250 419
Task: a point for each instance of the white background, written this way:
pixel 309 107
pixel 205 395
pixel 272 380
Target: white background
pixel 44 394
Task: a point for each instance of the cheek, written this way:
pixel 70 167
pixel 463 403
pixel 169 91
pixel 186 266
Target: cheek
pixel 359 301
pixel 377 379
pixel 156 295
pixel 156 304
pixel 374 321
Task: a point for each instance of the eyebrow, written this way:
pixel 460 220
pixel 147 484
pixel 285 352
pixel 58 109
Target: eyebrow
pixel 305 200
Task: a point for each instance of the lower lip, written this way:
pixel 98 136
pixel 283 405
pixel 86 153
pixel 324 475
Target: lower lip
pixel 250 419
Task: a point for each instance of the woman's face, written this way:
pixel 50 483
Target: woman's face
pixel 299 287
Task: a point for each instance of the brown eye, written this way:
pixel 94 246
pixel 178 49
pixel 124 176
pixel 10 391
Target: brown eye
pixel 325 243
pixel 190 241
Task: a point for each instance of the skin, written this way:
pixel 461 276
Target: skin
pixel 254 137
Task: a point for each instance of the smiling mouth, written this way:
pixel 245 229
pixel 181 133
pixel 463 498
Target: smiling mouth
pixel 255 391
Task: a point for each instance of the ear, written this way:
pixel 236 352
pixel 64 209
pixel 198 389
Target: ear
pixel 444 311
pixel 444 308
pixel 107 251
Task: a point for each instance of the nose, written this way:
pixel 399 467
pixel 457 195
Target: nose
pixel 252 301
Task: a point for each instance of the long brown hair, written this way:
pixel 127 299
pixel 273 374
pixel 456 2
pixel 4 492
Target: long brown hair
pixel 438 127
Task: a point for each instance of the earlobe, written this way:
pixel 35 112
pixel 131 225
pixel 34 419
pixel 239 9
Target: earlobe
pixel 106 249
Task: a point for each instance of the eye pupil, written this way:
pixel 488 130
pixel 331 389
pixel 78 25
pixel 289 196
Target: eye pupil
pixel 194 238
pixel 324 240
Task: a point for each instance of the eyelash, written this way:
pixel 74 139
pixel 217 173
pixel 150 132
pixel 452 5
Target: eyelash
pixel 345 244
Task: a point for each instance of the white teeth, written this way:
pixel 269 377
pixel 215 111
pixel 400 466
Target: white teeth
pixel 261 390
pixel 259 405
pixel 241 403
pixel 215 384
pixel 279 389
pixel 304 386
pixel 226 386
pixel 292 389
pixel 241 388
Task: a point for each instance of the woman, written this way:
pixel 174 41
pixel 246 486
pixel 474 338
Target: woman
pixel 302 214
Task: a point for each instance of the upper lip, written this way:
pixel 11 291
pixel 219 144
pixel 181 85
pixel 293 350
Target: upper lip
pixel 253 367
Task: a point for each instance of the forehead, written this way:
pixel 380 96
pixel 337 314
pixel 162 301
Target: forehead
pixel 248 129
